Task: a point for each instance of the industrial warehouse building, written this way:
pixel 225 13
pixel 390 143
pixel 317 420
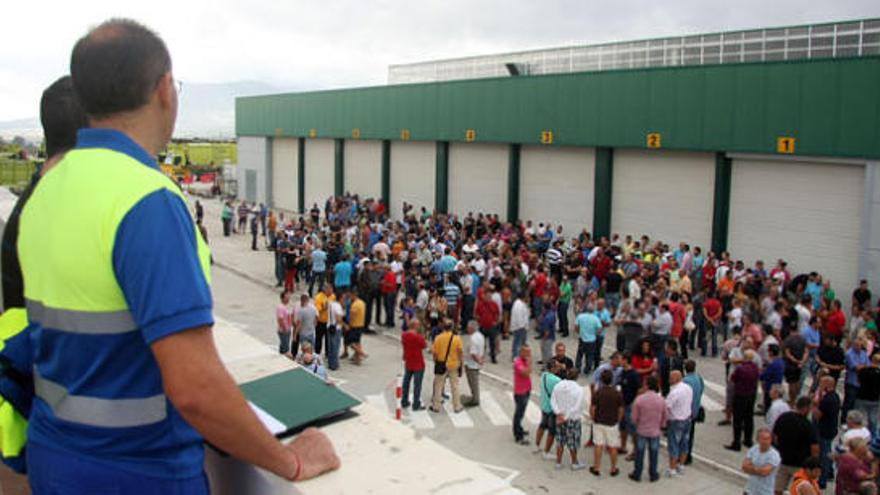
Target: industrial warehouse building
pixel 765 143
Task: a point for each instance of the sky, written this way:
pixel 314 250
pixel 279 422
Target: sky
pixel 303 45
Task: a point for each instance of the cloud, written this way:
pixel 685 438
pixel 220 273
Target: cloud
pixel 339 43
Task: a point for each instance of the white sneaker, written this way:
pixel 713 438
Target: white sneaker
pixel 537 451
pixel 550 457
pixel 680 470
pixel 578 466
pixel 558 467
pixel 671 473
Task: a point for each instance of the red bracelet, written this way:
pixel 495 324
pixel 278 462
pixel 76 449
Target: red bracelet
pixel 298 467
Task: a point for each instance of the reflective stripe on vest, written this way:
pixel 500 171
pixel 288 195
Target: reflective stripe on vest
pixel 94 411
pixel 88 322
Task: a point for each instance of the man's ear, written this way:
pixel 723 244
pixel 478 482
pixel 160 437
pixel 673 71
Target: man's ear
pixel 165 90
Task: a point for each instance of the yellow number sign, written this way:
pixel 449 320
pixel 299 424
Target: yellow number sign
pixel 404 134
pixel 785 144
pixel 278 131
pixel 654 140
pixel 470 135
pixel 355 133
pixel 546 137
pixel 313 133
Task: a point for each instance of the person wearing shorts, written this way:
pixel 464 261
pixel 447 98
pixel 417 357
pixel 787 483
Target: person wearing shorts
pixel 567 402
pixel 548 381
pixel 679 403
pixel 607 411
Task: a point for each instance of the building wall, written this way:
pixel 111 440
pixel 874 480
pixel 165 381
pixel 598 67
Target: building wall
pixel 666 195
pixel 320 171
pixel 252 155
pixel 363 168
pixel 478 178
pixel 413 175
pixel 808 213
pixel 285 173
pixel 556 186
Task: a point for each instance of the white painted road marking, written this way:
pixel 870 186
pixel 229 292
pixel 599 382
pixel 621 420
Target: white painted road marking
pixel 459 419
pixel 378 401
pixel 493 410
pixel 420 420
pixel 710 404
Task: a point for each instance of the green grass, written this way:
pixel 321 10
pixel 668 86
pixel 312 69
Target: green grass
pixel 16 172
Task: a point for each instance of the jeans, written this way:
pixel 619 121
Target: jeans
pixel 279 268
pixel 743 419
pixel 519 338
pixel 870 409
pixel 653 445
pixel 489 334
pixel 825 460
pixel 416 377
pixel 389 299
pixel 677 433
pixel 587 349
pixel 597 351
pixel 283 342
pixel 850 392
pixel 374 298
pixel 521 401
pixel 334 335
pixel 547 349
pixel 316 277
pixel 612 300
pixel 562 317
pixel 227 227
pixel 693 424
pixel 467 310
pixel 709 331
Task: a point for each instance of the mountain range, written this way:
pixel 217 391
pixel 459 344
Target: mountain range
pixel 207 110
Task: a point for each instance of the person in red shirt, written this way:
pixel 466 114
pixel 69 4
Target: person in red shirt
pixel 712 312
pixel 488 316
pixel 414 345
pixel 388 287
pixel 600 265
pixel 836 321
pixel 709 270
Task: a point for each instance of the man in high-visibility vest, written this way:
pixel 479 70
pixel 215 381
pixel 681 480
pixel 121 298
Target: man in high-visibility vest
pixel 128 383
pixel 61 117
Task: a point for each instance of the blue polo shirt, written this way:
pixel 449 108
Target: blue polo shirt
pixel 342 274
pixel 589 326
pixel 155 259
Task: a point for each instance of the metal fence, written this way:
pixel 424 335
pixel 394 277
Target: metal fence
pixel 843 39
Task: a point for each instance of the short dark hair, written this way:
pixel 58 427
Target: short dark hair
pixel 607 376
pixel 61 116
pixel 811 463
pixel 803 403
pixel 690 366
pixel 116 66
pixel 652 383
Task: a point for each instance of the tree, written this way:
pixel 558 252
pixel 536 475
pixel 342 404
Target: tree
pixel 20 141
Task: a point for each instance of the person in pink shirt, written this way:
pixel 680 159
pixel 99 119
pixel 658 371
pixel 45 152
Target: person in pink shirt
pixel 522 389
pixel 283 321
pixel 649 417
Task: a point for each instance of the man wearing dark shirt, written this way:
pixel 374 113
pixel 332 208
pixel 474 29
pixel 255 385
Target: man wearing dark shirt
pixel 825 414
pixel 630 382
pixel 796 439
pixel 745 387
pixel 862 295
pixel 565 361
pixel 868 397
pixel 831 357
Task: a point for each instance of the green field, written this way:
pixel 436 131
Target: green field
pixel 205 153
pixel 16 172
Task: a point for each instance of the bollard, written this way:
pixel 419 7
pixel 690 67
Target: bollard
pixel 399 394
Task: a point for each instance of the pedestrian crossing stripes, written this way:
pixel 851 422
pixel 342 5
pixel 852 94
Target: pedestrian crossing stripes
pixel 419 420
pixel 492 409
pixel 378 401
pixel 459 419
pixel 710 404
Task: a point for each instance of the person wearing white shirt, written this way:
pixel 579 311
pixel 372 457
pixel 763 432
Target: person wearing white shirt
pixel 803 313
pixel 519 323
pixel 678 427
pixel 335 314
pixel 778 406
pixel 635 291
pixel 567 401
pixel 474 357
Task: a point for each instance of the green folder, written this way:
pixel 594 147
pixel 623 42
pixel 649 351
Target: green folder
pixel 293 400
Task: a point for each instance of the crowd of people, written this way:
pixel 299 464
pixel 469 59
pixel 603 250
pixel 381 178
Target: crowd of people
pixel 464 287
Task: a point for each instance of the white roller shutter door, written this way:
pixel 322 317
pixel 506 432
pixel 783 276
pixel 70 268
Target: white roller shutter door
pixel 478 178
pixel 668 195
pixel 320 171
pixel 412 175
pixel 285 173
pixel 363 168
pixel 807 213
pixel 556 186
pixel 252 157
